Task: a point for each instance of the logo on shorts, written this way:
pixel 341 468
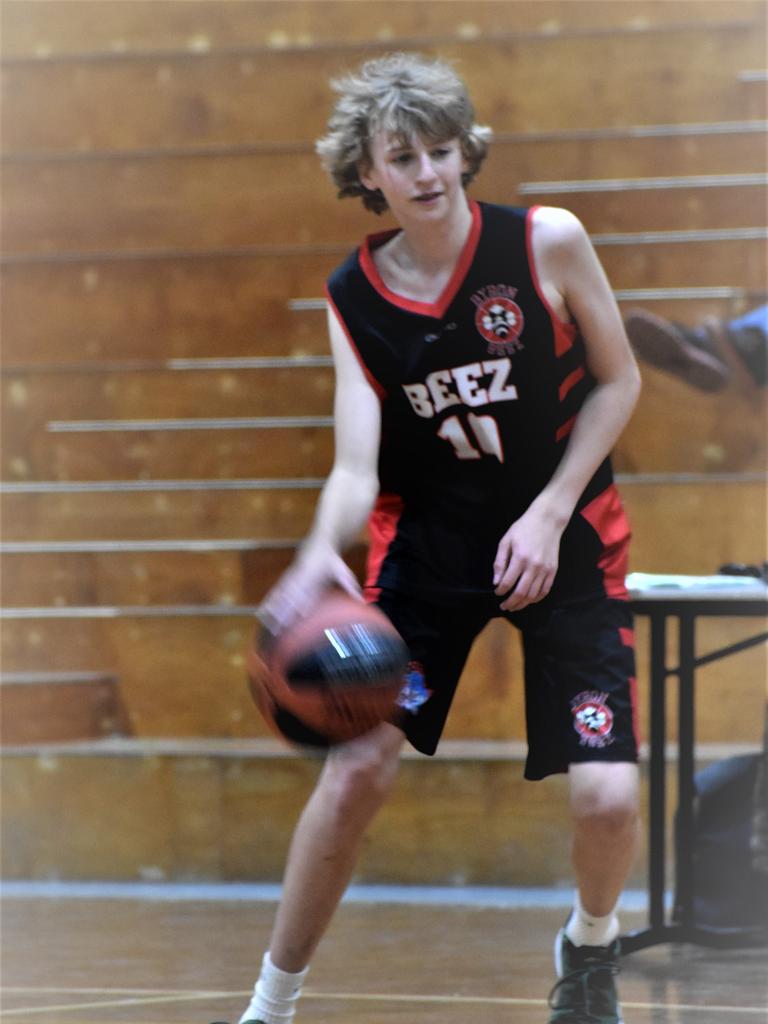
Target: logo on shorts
pixel 498 318
pixel 592 719
pixel 414 692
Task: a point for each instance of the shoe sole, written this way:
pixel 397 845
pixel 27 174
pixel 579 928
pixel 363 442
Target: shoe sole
pixel 664 347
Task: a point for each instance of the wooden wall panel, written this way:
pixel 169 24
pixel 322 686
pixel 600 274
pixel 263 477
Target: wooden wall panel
pixel 197 203
pixel 47 28
pixel 536 84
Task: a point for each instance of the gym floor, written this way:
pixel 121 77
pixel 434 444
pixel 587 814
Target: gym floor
pixel 84 960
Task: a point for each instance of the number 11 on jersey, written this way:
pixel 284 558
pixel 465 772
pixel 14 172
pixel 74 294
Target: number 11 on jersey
pixel 481 437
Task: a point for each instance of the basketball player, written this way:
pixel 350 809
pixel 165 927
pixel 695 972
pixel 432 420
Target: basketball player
pixel 483 376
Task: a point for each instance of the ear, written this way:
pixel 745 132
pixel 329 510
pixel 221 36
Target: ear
pixel 464 160
pixel 366 175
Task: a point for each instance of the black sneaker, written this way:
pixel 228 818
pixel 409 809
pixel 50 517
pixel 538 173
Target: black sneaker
pixel 586 990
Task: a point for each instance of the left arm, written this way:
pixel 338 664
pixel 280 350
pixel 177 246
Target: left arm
pixel 575 285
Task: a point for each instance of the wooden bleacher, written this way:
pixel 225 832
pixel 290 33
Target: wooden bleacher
pixel 167 232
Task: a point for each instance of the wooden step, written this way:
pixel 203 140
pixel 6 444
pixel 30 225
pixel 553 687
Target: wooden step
pixel 687 75
pixel 224 812
pixel 46 30
pixel 43 707
pixel 681 261
pixel 668 207
pixel 290 390
pixel 192 454
pixel 688 527
pixel 120 576
pixel 675 428
pixel 238 305
pixel 282 512
pixel 198 202
pixel 118 310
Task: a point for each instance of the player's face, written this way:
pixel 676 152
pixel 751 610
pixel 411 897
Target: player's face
pixel 418 177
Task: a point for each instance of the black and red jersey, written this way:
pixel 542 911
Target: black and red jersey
pixel 479 392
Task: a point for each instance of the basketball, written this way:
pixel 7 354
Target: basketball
pixel 331 676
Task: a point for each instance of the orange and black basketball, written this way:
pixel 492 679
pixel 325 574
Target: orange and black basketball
pixel 331 676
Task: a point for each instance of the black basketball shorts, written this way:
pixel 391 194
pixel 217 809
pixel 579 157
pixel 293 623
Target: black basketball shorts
pixel 580 700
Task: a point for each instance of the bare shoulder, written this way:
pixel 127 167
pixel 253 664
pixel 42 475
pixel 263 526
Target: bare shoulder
pixel 556 228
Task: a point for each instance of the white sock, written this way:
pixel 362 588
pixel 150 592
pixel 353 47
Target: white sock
pixel 275 995
pixel 585 929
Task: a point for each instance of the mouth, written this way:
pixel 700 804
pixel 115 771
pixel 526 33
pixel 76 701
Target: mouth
pixel 427 197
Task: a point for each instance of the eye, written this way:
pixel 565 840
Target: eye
pixel 401 158
pixel 441 152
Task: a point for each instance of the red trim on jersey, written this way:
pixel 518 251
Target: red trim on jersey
pixel 565 429
pixel 571 381
pixel 375 384
pixel 433 309
pixel 382 527
pixel 565 333
pixel 627 636
pixel 605 514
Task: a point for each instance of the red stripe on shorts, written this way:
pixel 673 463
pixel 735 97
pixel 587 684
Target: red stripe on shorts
pixel 605 514
pixel 382 527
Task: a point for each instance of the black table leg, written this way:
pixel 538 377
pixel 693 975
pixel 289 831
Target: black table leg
pixel 656 930
pixel 684 861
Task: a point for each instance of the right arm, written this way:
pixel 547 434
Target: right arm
pixel 347 497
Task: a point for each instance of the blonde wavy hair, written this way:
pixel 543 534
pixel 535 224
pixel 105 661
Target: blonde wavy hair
pixel 405 95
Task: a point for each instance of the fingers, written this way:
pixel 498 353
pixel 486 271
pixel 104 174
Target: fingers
pixel 285 604
pixel 297 592
pixel 347 580
pixel 530 588
pixel 523 583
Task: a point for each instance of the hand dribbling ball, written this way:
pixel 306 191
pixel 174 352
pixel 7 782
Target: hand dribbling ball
pixel 330 676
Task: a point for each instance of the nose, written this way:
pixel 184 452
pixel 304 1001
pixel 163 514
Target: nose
pixel 426 170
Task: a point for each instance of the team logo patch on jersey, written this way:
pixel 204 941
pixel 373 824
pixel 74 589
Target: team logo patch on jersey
pixel 592 719
pixel 414 692
pixel 498 318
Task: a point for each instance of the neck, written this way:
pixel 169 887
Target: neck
pixel 430 247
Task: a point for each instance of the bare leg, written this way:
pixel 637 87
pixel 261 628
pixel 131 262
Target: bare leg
pixel 604 804
pixel 604 798
pixel 355 782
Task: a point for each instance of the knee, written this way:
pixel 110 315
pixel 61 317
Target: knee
pixel 607 814
pixel 361 775
pixel 608 805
